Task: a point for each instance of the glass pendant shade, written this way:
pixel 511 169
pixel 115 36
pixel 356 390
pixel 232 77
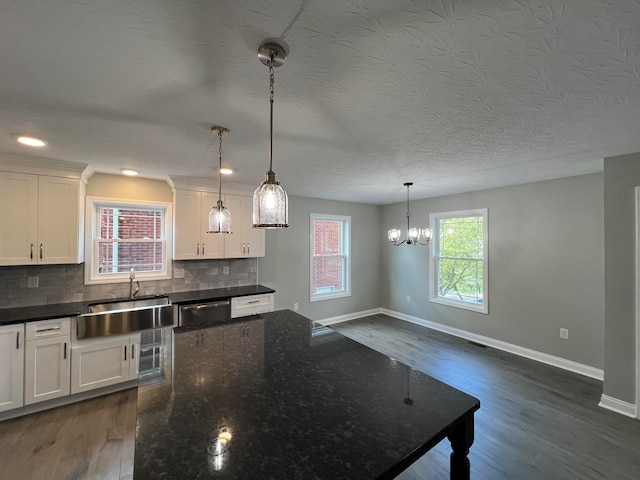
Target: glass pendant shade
pixel 219 219
pixel 394 235
pixel 426 233
pixel 270 204
pixel 414 235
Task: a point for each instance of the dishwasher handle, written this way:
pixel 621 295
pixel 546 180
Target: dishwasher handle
pixel 203 306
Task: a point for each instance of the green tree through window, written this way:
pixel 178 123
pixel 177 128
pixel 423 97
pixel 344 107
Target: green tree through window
pixel 459 258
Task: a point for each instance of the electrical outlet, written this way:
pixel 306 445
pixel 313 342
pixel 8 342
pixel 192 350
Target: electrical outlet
pixel 295 307
pixel 32 282
pixel 408 298
pixel 564 333
pixel 225 270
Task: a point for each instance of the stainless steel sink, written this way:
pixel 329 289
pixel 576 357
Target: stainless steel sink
pixel 128 304
pixel 124 316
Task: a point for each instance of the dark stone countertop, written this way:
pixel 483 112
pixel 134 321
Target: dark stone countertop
pixel 180 298
pixel 59 310
pixel 264 398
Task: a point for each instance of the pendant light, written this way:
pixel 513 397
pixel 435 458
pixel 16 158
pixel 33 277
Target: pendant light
pixel 270 201
pixel 219 216
pixel 413 234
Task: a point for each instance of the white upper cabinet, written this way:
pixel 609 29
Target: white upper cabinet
pixel 245 241
pixel 191 220
pixel 40 219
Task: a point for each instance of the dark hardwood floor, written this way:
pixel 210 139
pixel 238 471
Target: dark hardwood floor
pixel 536 421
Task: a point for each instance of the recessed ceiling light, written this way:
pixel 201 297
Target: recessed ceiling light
pixel 30 141
pixel 129 172
pixel 226 171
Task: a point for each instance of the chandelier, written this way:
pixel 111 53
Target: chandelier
pixel 413 234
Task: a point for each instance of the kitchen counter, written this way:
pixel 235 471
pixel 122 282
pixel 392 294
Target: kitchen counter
pixel 265 397
pixel 195 296
pixel 59 310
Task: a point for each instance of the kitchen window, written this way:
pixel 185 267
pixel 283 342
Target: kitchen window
pixel 125 235
pixel 330 263
pixel 459 259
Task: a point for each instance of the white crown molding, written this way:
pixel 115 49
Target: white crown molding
pixel 42 166
pixel 618 406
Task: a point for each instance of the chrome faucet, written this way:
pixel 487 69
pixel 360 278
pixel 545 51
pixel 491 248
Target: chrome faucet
pixel 132 277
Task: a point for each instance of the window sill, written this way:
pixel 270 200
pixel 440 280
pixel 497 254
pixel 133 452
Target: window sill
pixel 474 307
pixel 329 296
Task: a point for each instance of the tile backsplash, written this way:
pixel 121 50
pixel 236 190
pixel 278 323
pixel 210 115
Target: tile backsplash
pixel 65 283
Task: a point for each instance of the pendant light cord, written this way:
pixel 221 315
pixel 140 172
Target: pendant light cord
pixel 408 210
pixel 271 78
pixel 219 166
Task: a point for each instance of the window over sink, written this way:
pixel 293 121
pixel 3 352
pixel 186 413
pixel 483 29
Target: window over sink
pixel 330 257
pixel 123 235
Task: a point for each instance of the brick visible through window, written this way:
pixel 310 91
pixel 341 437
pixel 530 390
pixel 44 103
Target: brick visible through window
pixel 130 238
pixel 329 256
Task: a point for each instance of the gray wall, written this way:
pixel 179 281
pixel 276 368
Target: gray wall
pixel 546 266
pixel 621 176
pixel 286 264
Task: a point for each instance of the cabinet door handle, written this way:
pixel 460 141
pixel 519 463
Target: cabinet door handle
pixel 198 249
pixel 65 351
pixel 249 248
pixel 125 352
pixel 247 331
pixel 133 352
pixel 202 338
pixel 17 340
pixel 31 254
pixel 254 301
pixel 40 251
pixel 49 329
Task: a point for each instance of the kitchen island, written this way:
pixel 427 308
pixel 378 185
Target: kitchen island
pixel 270 397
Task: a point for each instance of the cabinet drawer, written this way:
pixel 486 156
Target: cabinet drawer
pixel 251 305
pixel 48 328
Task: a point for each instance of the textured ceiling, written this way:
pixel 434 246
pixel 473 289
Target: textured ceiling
pixel 453 95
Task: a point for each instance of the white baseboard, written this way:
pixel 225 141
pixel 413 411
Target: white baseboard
pixel 559 362
pixel 349 316
pixel 618 406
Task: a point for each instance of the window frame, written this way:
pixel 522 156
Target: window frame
pixel 92 216
pixel 434 223
pixel 346 253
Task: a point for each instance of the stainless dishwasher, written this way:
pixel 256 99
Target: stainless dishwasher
pixel 205 312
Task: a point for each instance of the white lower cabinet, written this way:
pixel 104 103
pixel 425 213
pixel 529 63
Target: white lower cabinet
pixel 102 363
pixel 47 369
pixel 11 366
pixel 251 305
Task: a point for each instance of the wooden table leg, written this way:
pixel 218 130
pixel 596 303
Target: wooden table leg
pixel 461 440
